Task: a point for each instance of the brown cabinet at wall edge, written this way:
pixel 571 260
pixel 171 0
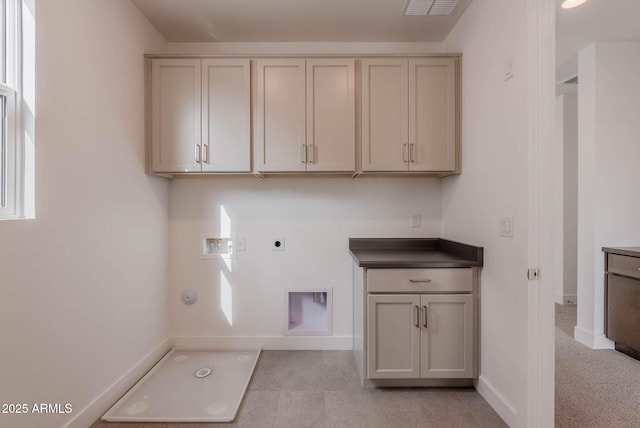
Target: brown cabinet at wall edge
pixel 200 119
pixel 410 115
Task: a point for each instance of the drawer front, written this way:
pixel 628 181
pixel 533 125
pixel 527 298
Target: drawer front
pixel 419 280
pixel 624 265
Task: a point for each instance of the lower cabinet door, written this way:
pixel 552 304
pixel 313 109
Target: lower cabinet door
pixel 446 336
pixel 393 336
pixel 623 300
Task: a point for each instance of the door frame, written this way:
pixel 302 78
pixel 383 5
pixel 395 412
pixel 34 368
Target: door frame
pixel 541 293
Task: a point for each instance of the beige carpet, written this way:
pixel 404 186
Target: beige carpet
pixel 594 388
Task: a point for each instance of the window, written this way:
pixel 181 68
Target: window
pixel 11 146
pixel 3 42
pixel 3 151
pixel 3 106
pixel 7 152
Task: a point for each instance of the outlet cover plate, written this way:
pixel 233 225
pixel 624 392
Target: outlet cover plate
pixel 506 227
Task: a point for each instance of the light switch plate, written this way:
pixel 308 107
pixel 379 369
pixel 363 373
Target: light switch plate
pixel 415 220
pixel 506 227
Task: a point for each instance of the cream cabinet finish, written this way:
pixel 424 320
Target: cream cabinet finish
pixel 420 280
pixel 200 115
pixel 420 336
pixel 409 115
pixel 393 336
pixel 446 336
pixel 175 115
pixel 280 120
pixel 226 115
pixel 331 115
pixel 305 115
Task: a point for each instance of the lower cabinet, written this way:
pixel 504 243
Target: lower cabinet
pixel 622 299
pixel 420 336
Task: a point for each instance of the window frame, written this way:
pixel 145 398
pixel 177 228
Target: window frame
pixel 11 148
pixel 3 45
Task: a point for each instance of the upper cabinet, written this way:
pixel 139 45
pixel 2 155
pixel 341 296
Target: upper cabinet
pixel 305 115
pixel 409 115
pixel 200 119
pixel 175 115
pixel 226 115
pixel 299 115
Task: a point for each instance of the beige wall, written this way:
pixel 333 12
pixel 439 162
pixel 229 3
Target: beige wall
pixel 84 285
pixel 494 184
pixel 608 133
pixel 315 216
pixel 566 140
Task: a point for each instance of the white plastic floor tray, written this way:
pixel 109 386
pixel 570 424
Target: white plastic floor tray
pixel 188 386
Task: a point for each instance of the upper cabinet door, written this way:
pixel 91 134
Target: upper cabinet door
pixel 331 115
pixel 226 115
pixel 280 116
pixel 175 115
pixel 432 114
pixel 384 114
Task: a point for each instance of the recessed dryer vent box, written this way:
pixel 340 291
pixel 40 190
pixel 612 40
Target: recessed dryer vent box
pixel 309 312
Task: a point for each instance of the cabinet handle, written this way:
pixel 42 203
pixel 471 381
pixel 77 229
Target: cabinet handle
pixel 420 280
pixel 303 153
pixel 413 154
pixel 417 316
pixel 205 151
pixel 197 153
pixel 311 154
pixel 425 316
pixel 405 150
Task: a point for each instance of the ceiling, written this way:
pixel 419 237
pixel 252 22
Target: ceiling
pixel 595 20
pixel 294 21
pixel 370 21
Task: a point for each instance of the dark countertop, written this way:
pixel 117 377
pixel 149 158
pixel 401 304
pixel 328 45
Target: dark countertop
pixel 625 251
pixel 389 253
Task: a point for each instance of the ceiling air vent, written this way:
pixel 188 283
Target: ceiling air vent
pixel 417 7
pixel 430 7
pixel 443 7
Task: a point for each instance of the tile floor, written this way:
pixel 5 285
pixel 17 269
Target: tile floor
pixel 321 389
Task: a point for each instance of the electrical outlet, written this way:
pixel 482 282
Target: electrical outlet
pixel 277 244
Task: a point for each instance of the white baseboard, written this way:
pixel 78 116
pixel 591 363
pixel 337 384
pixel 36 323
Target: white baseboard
pixel 594 341
pixel 281 343
pixel 567 299
pixel 96 408
pixel 502 407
